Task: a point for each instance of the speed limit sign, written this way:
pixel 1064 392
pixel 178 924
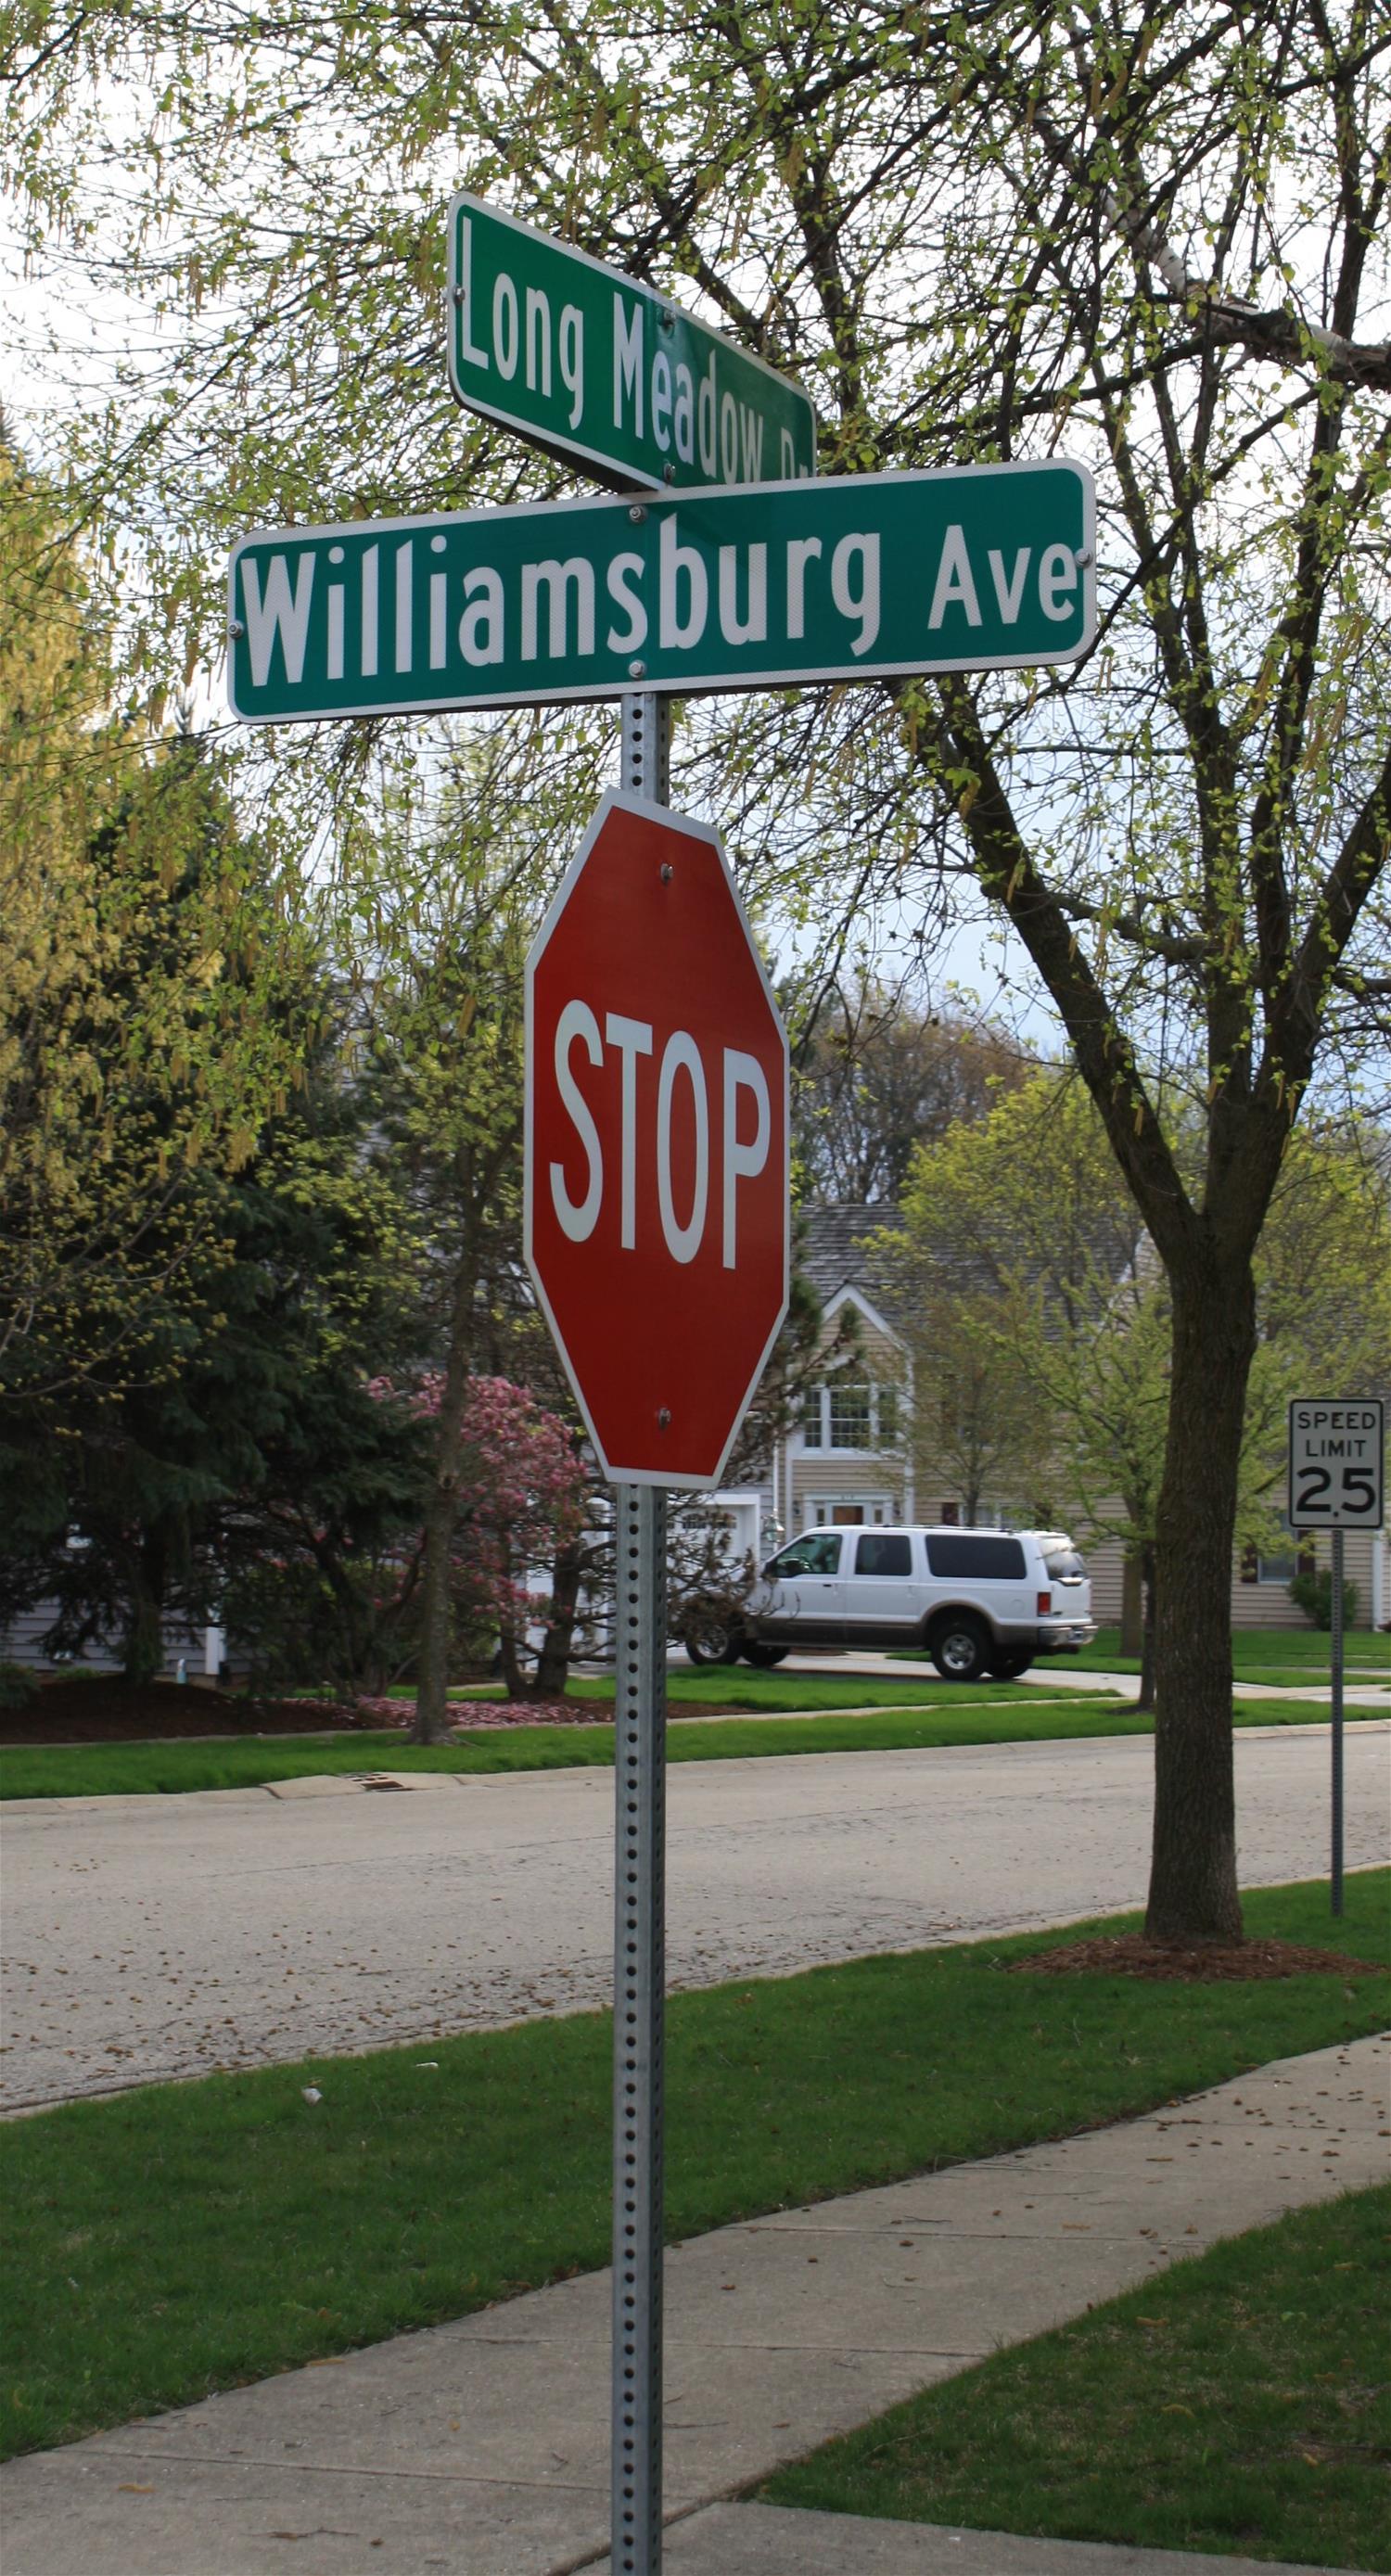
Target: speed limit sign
pixel 1336 1463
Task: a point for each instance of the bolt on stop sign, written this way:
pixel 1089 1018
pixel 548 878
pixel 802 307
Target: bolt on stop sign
pixel 656 1145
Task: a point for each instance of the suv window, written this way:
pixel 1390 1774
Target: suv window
pixel 817 1553
pixel 884 1552
pixel 972 1559
pixel 1064 1565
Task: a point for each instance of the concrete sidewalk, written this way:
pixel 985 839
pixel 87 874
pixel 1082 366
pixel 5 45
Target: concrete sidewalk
pixel 480 2448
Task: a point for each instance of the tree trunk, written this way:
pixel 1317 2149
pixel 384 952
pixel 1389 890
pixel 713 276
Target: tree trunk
pixel 441 1517
pixel 432 1676
pixel 1193 1888
pixel 553 1663
pixel 1132 1603
pixel 514 1680
pixel 143 1645
pixel 1145 1698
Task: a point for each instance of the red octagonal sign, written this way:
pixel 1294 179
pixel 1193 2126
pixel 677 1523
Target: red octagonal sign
pixel 656 1145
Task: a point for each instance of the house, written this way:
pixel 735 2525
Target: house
pixel 850 1459
pixel 847 1459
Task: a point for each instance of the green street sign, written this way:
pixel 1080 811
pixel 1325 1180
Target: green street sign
pixel 846 578
pixel 606 374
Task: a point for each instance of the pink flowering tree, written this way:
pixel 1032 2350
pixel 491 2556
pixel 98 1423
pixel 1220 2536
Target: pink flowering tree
pixel 522 1497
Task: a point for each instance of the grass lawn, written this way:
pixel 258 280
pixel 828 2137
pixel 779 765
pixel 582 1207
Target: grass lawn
pixel 1239 2402
pixel 1282 1657
pixel 953 1715
pixel 181 2238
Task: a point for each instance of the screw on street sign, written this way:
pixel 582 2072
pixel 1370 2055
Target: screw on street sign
pixel 1336 1456
pixel 606 373
pixel 656 1145
pixel 847 578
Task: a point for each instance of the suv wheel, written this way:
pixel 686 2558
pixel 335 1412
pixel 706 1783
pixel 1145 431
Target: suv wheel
pixel 959 1647
pixel 709 1637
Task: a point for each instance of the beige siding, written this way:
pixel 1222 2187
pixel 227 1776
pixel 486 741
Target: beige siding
pixel 1254 1605
pixel 874 1483
pixel 1105 1565
pixel 1268 1605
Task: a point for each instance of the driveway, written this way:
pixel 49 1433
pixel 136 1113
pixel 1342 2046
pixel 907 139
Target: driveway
pixel 1368 1684
pixel 150 1938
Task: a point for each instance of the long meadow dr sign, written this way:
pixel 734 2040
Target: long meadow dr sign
pixel 606 373
pixel 843 578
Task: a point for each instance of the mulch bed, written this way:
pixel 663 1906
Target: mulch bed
pixel 1129 1954
pixel 100 1711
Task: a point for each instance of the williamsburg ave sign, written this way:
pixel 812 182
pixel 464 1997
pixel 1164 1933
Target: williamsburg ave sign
pixel 842 578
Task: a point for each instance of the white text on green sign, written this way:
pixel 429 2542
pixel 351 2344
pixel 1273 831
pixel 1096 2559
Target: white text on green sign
pixel 845 578
pixel 604 372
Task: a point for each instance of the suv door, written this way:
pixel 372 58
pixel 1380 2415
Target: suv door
pixel 883 1589
pixel 803 1602
pixel 986 1573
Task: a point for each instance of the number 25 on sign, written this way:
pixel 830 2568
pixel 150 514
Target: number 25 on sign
pixel 1336 1449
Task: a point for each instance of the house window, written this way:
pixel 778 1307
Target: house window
pixel 1283 1563
pixel 850 1416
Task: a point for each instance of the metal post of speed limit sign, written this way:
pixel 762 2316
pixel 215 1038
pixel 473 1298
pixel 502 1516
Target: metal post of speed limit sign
pixel 1337 1453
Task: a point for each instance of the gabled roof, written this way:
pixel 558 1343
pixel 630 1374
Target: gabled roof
pixel 833 1255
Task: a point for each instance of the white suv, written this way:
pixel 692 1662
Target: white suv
pixel 979 1601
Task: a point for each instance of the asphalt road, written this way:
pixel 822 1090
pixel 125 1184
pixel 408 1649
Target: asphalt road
pixel 150 1938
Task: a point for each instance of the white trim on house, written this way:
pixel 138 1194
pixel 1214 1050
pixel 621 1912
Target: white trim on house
pixel 856 1297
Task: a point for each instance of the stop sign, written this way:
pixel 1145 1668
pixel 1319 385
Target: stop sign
pixel 656 1145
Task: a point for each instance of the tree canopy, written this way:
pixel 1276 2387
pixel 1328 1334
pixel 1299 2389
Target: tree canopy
pixel 877 1072
pixel 1039 1317
pixel 143 976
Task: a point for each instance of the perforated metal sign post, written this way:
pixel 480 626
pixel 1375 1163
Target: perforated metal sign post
pixel 639 2029
pixel 639 2013
pixel 656 1232
pixel 639 1930
pixel 1337 1457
